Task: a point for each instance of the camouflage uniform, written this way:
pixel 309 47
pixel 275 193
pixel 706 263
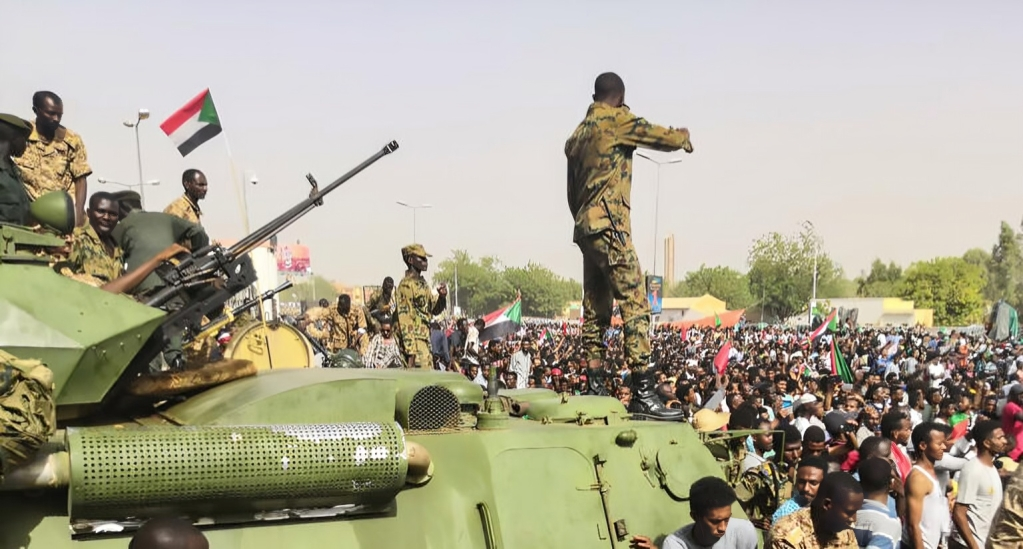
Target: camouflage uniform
pixel 14 199
pixel 89 256
pixel 599 156
pixel 796 531
pixel 27 412
pixel 184 208
pixel 53 165
pixel 1007 526
pixel 378 303
pixel 758 491
pixel 415 306
pixel 342 331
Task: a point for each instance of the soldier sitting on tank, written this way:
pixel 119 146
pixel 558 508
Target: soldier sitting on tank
pixel 93 250
pixel 710 506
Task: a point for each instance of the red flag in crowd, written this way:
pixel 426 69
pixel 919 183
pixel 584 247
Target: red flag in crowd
pixel 684 332
pixel 721 361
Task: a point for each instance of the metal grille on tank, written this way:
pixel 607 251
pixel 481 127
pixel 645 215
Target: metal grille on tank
pixel 433 408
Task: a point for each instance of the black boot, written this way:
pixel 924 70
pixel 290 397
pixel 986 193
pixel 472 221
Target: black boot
pixel 645 402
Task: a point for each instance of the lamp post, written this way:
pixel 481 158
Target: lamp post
pixel 151 183
pixel 413 208
pixel 816 247
pixel 657 198
pixel 143 114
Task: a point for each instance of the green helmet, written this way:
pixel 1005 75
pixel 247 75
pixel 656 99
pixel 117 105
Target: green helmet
pixel 54 210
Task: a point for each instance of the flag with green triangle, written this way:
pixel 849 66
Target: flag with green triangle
pixel 717 321
pixel 838 365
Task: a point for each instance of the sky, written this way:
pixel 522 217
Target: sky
pixel 894 127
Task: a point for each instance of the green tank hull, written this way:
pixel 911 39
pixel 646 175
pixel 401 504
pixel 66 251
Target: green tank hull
pixel 579 474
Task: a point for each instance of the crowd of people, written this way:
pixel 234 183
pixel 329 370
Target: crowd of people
pixel 926 431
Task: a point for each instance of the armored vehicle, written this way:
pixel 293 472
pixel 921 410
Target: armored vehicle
pixel 307 457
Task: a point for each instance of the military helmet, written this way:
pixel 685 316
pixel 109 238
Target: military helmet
pixel 54 210
pixel 347 358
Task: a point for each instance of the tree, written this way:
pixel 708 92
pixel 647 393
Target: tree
pixel 1005 280
pixel 481 288
pixel 544 294
pixel 781 272
pixel 485 285
pixel 950 286
pixel 981 258
pixel 724 283
pixel 310 291
pixel 882 281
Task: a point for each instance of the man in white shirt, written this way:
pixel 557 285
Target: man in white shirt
pixel 980 489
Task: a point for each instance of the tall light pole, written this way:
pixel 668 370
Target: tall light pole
pixel 657 198
pixel 151 183
pixel 413 208
pixel 816 247
pixel 143 114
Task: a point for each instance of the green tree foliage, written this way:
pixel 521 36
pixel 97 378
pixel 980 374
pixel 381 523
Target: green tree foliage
pixel 724 283
pixel 544 294
pixel 484 285
pixel 781 272
pixel 882 280
pixel 1005 268
pixel 310 291
pixel 951 286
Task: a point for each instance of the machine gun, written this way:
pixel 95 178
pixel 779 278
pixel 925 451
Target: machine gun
pixel 213 326
pixel 201 283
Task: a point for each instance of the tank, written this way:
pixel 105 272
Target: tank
pixel 293 455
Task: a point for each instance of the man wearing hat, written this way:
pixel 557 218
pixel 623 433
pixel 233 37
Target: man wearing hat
pixel 14 199
pixel 415 307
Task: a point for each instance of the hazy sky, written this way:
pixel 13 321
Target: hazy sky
pixel 897 128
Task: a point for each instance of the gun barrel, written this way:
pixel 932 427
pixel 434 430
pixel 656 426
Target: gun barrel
pixel 256 238
pixel 269 294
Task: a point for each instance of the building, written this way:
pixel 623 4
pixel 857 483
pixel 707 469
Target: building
pixel 879 311
pixel 669 261
pixel 675 309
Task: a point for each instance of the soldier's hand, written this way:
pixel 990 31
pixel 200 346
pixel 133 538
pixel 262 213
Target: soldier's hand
pixel 641 542
pixel 171 251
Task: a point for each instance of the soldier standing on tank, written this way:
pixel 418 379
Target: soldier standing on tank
pixel 187 205
pixel 599 156
pixel 380 305
pixel 14 199
pixel 55 158
pixel 415 306
pixel 93 249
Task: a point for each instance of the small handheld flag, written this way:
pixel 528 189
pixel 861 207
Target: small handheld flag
pixel 721 360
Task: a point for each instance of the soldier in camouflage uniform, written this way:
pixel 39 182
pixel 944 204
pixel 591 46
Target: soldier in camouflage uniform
pixel 343 327
pixel 27 412
pixel 599 156
pixel 187 205
pixel 380 305
pixel 93 250
pixel 415 307
pixel 14 199
pixel 55 158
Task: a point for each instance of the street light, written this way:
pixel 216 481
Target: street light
pixel 413 208
pixel 143 114
pixel 657 198
pixel 808 225
pixel 151 183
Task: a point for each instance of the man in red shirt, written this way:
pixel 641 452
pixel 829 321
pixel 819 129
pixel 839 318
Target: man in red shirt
pixel 1012 421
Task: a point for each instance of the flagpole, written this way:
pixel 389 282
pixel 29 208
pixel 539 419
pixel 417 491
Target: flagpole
pixel 239 191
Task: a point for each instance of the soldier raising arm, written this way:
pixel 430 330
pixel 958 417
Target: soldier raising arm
pixel 415 307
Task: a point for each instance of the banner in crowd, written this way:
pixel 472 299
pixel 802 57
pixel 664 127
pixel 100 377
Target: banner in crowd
pixel 292 258
pixel 653 293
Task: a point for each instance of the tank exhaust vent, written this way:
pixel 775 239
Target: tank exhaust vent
pixel 433 408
